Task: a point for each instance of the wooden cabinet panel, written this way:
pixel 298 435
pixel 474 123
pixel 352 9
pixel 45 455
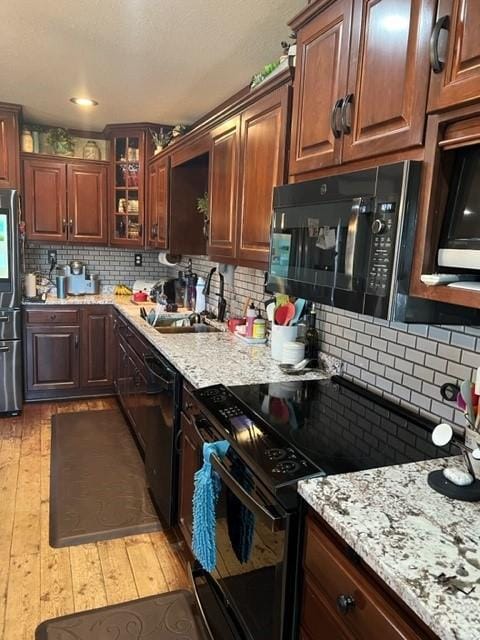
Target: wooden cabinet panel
pixel 87 203
pixel 344 600
pixel 45 199
pixel 52 357
pixel 52 316
pixel 321 81
pixel 315 610
pixel 158 204
pixel 9 149
pixel 97 352
pixel 263 143
pixel 224 163
pixel 190 461
pixel 459 80
pixel 388 77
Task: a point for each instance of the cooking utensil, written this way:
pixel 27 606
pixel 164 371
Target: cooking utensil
pixel 270 309
pixel 299 307
pixel 466 392
pixel 284 314
pixel 300 366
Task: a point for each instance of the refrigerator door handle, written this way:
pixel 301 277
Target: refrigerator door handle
pixel 4 348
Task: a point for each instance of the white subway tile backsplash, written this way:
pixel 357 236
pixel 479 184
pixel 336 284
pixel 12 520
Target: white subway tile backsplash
pixel 406 363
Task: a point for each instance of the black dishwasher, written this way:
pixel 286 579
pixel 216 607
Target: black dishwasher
pixel 160 416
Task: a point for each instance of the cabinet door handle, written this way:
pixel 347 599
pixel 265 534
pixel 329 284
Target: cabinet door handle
pixel 71 225
pixel 153 232
pixel 345 603
pixel 346 116
pixel 77 341
pixel 437 60
pixel 334 118
pixel 64 225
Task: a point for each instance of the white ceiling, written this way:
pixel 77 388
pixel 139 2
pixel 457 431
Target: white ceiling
pixel 164 61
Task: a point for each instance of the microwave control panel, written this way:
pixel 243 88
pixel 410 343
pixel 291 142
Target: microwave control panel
pixel 382 249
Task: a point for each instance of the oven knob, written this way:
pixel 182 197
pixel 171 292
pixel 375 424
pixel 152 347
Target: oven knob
pixel 378 226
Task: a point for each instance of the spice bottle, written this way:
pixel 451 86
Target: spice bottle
pixel 251 315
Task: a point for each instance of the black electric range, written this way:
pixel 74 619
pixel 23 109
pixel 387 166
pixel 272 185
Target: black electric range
pixel 280 433
pixel 289 431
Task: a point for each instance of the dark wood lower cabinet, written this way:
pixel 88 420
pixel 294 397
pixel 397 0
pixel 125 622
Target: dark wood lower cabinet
pixel 52 355
pixel 68 352
pixel 343 599
pixel 190 461
pixel 97 353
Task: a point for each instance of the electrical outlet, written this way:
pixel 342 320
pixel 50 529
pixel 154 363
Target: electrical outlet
pixel 138 259
pixel 52 255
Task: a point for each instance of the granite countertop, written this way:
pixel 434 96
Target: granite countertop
pixel 412 537
pixel 204 358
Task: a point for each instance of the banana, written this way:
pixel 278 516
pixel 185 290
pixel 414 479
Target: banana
pixel 122 290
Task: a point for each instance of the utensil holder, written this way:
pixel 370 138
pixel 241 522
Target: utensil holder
pixel 279 335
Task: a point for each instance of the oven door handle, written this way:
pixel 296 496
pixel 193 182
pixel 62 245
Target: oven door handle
pixel 276 522
pixel 198 602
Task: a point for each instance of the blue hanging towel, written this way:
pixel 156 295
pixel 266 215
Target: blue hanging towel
pixel 205 495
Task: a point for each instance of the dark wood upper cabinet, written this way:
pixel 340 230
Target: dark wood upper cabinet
pixel 224 164
pixel 388 75
pixel 455 79
pixel 65 200
pixel 131 147
pixel 157 213
pixel 45 206
pixel 87 203
pixel 321 83
pixel 9 147
pixel 263 149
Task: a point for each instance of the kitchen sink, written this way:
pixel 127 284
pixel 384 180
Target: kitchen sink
pixel 196 328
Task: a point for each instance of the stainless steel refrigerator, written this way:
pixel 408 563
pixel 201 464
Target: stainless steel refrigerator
pixel 11 383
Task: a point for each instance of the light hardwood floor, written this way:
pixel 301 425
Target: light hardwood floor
pixel 38 582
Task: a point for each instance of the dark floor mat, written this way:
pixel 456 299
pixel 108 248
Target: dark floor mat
pixel 98 489
pixel 169 616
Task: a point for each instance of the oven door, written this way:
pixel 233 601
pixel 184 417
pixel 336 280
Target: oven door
pixel 253 535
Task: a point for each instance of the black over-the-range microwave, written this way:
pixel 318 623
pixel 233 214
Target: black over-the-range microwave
pixel 347 241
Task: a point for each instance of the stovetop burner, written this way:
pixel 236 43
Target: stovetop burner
pixel 292 430
pixel 287 466
pixel 276 454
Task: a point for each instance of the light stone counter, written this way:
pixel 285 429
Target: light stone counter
pixel 204 358
pixel 410 535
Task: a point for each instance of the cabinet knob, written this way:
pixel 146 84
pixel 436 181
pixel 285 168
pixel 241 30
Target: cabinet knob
pixel 345 603
pixel 53 316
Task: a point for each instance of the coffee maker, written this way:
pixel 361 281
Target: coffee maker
pixel 79 281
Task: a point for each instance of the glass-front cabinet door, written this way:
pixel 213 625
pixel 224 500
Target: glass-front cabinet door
pixel 128 183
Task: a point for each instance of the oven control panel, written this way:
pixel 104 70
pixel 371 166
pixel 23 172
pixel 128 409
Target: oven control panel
pixel 384 227
pixel 278 461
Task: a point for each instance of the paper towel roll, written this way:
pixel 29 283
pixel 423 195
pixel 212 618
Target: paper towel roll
pixel 167 259
pixel 30 285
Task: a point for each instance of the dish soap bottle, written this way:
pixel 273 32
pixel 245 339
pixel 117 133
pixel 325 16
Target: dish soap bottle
pixel 311 337
pixel 251 315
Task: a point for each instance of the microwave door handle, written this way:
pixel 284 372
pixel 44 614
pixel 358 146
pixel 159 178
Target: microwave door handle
pixel 351 237
pixel 276 523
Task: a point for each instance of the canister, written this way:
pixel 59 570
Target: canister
pixel 61 288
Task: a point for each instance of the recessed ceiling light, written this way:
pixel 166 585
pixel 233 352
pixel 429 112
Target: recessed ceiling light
pixel 84 102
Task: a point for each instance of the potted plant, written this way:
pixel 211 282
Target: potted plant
pixel 202 208
pixel 61 142
pixel 161 139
